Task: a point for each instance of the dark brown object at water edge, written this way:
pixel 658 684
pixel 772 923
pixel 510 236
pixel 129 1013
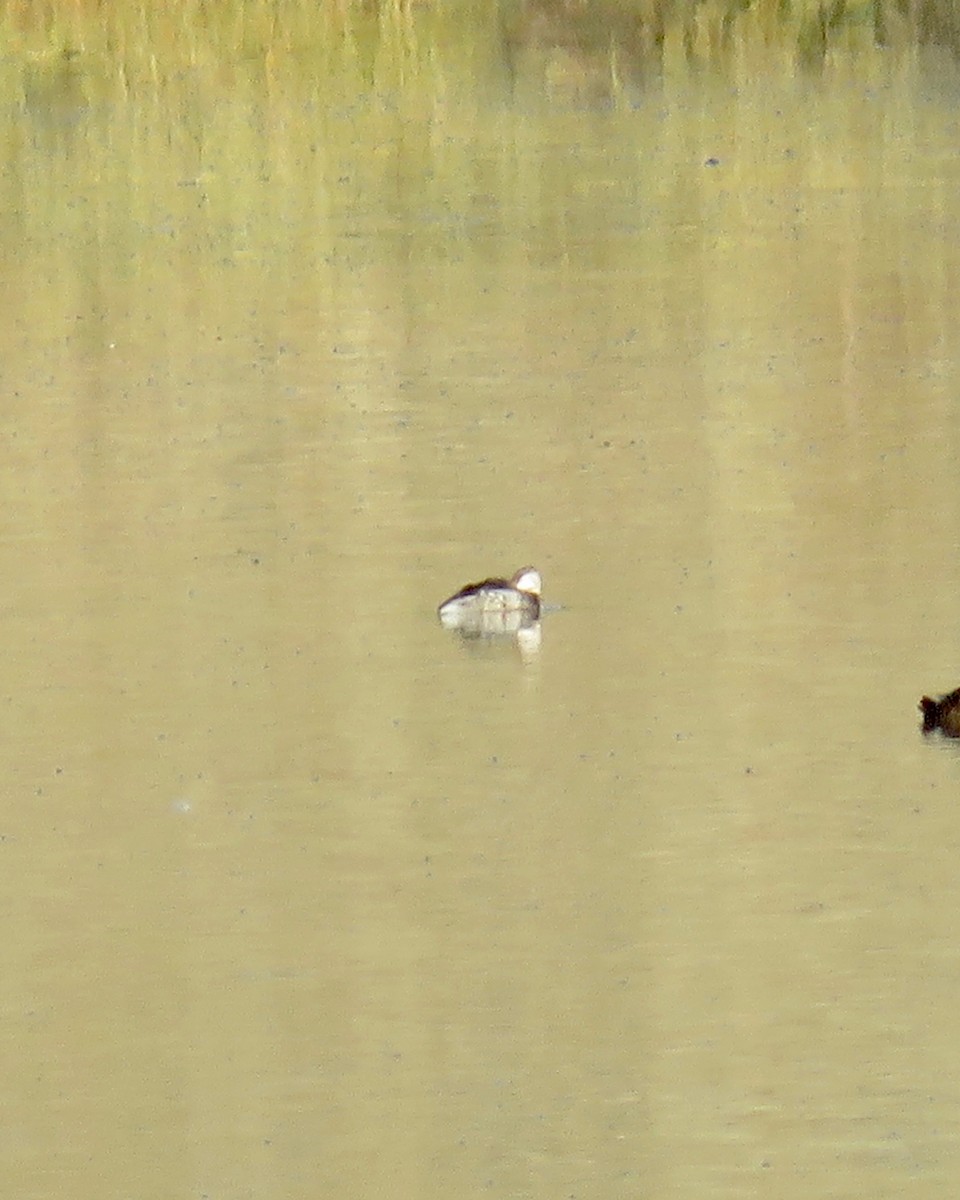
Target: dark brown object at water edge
pixel 942 714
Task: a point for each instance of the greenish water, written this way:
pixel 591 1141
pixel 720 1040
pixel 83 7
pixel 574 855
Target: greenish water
pixel 305 896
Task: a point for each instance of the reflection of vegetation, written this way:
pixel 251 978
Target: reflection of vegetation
pixel 615 42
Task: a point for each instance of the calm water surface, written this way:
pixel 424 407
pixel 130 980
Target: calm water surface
pixel 305 896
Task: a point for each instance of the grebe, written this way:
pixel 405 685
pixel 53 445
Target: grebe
pixel 942 714
pixel 517 598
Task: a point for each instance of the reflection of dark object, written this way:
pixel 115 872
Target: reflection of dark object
pixel 928 22
pixel 603 40
pixel 942 714
pixel 491 631
pixel 816 28
pixel 53 90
